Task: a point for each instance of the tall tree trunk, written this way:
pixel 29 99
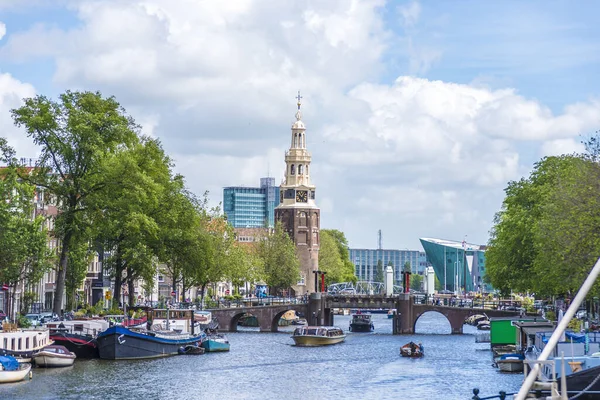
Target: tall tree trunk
pixel 202 295
pixel 130 287
pixel 11 301
pixel 118 279
pixel 61 274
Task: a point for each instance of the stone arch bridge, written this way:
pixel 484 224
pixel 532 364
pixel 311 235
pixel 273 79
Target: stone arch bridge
pixel 318 311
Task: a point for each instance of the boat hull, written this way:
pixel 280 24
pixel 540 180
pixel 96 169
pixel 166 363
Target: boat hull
pixel 15 376
pixel 579 381
pixel 212 345
pixel 119 343
pixel 361 327
pixel 312 341
pixel 53 360
pixel 510 365
pixel 82 346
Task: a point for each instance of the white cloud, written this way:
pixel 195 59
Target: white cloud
pixel 562 146
pixel 410 13
pixel 12 91
pixel 2 30
pixel 215 82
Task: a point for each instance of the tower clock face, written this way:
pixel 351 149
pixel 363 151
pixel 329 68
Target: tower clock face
pixel 301 196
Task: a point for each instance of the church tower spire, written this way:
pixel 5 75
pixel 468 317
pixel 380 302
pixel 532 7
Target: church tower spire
pixel 297 210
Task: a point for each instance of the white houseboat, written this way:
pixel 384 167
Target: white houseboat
pixel 22 343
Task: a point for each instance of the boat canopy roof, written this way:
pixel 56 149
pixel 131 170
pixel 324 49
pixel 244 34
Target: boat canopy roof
pixel 9 363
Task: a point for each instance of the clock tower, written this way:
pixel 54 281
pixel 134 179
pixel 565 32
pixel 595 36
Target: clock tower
pixel 297 211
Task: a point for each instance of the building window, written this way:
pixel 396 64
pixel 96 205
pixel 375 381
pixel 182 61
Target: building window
pixel 302 280
pixel 293 170
pixel 300 169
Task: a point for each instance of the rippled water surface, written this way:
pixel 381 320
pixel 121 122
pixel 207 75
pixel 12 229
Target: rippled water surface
pixel 268 366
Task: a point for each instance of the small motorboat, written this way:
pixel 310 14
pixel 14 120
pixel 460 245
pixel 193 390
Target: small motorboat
pixel 300 321
pixel 512 362
pixel 13 371
pixel 191 349
pixel 361 323
pixel 412 350
pixel 215 342
pixel 483 325
pixel 474 319
pixel 54 356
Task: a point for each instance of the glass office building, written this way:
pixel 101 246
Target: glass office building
pixel 459 266
pixel 365 262
pixel 251 207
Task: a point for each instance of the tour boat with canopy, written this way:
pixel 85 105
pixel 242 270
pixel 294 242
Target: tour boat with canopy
pixel 318 335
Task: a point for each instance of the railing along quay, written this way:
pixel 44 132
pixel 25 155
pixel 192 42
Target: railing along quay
pixel 250 302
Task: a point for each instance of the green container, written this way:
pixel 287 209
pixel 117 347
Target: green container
pixel 503 332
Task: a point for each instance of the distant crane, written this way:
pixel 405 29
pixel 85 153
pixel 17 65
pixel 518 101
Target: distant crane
pixel 379 240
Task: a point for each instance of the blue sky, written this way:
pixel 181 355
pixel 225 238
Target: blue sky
pixel 418 113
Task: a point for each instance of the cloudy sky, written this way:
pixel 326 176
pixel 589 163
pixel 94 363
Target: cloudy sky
pixel 418 113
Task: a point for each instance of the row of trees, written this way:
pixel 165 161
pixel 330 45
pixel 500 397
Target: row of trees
pixel 546 237
pixel 116 194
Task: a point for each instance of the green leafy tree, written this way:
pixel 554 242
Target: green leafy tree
pixel 24 254
pixel 416 282
pixel 277 254
pixel 332 260
pixel 566 234
pixel 127 213
pixel 378 272
pixel 346 273
pixel 80 257
pixel 216 242
pixel 544 239
pixel 76 133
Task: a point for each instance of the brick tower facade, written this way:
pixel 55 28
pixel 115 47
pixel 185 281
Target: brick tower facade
pixel 297 210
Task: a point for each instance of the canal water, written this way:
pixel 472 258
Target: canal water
pixel 268 366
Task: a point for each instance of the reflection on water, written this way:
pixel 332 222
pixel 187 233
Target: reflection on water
pixel 268 366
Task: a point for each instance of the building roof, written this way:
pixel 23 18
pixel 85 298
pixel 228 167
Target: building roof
pixel 455 244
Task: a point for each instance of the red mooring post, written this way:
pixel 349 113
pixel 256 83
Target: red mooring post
pixel 406 282
pixel 323 282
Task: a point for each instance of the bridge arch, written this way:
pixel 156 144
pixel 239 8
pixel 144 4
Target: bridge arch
pixel 267 316
pixel 447 328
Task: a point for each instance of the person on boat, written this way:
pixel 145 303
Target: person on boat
pixel 421 347
pixel 413 348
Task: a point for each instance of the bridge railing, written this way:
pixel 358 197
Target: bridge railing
pixel 467 303
pixel 256 302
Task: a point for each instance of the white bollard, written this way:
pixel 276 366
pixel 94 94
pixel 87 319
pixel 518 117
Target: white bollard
pixel 389 280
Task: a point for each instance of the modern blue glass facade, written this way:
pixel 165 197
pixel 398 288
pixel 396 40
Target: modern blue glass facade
pixel 248 207
pixel 459 266
pixel 365 262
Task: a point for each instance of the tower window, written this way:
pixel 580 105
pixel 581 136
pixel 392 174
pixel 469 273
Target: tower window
pixel 300 169
pixel 293 170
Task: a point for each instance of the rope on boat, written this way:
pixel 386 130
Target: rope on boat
pixel 77 344
pixel 586 389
